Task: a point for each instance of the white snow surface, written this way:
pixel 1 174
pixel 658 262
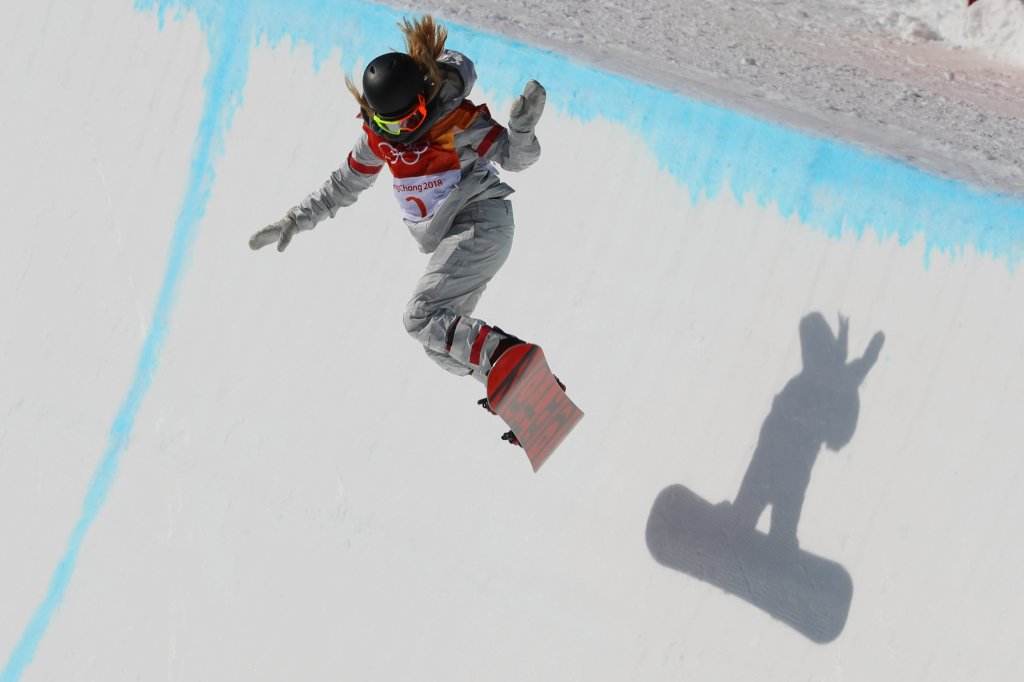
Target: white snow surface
pixel 994 28
pixel 930 82
pixel 303 495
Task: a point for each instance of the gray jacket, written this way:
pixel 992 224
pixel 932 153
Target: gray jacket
pixel 440 168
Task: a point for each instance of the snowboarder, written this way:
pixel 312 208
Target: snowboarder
pixel 441 149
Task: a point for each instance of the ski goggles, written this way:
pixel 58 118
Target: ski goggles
pixel 411 121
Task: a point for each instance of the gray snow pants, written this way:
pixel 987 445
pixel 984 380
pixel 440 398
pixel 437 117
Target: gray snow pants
pixel 458 272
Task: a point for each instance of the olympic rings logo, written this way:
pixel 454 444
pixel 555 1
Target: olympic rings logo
pixel 410 156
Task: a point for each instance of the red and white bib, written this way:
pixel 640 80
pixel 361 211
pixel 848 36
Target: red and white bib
pixel 427 170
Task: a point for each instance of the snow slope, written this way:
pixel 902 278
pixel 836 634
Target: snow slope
pixel 994 28
pixel 220 464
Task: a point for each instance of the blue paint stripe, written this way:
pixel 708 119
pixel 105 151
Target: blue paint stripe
pixel 222 90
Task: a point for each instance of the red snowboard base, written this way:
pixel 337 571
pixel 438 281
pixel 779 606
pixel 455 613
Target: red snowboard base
pixel 522 390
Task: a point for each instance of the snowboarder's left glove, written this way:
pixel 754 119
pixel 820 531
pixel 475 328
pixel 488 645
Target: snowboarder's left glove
pixel 527 108
pixel 281 232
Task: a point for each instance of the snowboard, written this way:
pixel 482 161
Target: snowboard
pixel 522 391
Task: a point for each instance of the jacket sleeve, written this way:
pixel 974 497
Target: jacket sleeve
pixel 511 150
pixel 342 189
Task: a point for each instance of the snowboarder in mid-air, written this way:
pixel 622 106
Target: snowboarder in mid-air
pixel 441 149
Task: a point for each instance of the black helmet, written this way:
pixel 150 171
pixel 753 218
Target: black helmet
pixel 391 83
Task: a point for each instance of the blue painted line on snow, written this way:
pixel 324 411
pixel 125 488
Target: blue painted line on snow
pixel 222 96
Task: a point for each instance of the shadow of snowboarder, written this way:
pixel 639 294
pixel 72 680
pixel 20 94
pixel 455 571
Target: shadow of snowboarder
pixel 719 544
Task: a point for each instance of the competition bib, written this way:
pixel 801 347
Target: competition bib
pixel 420 197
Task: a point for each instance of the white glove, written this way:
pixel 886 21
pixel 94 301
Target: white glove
pixel 527 108
pixel 281 232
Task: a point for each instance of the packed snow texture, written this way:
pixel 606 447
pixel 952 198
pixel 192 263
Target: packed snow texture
pixel 994 28
pixel 929 82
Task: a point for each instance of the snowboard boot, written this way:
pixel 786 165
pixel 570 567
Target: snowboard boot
pixel 504 344
pixel 507 341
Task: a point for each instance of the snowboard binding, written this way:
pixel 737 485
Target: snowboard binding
pixel 511 438
pixel 486 405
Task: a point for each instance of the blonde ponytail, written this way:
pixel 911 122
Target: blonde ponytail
pixel 424 42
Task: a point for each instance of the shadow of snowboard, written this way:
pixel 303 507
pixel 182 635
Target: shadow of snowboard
pixel 816 410
pixel 688 534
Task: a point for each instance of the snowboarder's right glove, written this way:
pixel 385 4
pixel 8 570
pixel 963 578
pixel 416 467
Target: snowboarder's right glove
pixel 527 108
pixel 281 232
